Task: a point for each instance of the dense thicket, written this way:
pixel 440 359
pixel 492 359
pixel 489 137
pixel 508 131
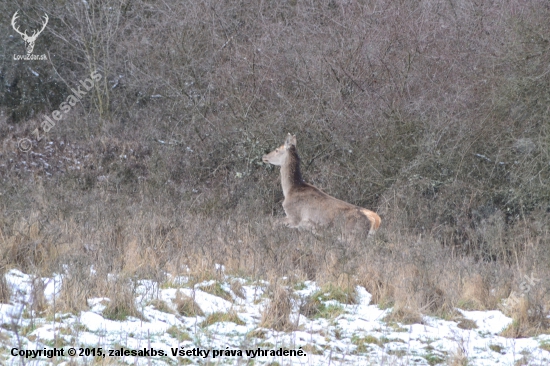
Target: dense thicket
pixel 434 113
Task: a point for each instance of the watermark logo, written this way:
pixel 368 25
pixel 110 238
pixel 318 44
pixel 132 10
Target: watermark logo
pixel 525 287
pixel 29 40
pixel 25 144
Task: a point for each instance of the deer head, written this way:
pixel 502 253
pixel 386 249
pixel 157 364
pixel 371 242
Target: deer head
pixel 278 156
pixel 29 40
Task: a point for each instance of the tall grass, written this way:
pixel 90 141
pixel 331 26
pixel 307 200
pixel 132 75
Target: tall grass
pixel 434 114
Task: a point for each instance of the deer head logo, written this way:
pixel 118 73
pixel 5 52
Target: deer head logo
pixel 29 40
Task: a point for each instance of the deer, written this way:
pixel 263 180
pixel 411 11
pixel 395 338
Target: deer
pixel 307 207
pixel 29 40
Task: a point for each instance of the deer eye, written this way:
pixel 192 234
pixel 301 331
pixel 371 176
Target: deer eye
pixel 276 150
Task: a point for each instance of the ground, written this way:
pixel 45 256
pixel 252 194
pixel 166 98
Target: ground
pixel 339 334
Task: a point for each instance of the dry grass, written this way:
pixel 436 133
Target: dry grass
pixel 217 290
pixel 237 288
pixel 76 287
pixel 475 294
pixel 38 300
pixel 161 305
pixel 5 292
pixel 405 314
pixel 530 319
pixel 217 317
pixel 276 314
pixel 186 306
pixel 121 300
pixel 458 359
pixel 434 114
pixel 314 305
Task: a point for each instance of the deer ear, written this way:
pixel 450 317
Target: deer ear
pixel 290 141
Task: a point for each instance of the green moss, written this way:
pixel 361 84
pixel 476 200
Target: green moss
pixel 216 289
pixel 219 317
pixel 184 361
pixel 434 359
pixel 496 348
pixel 57 342
pixel 330 311
pixel 337 293
pixel 161 305
pixel 545 345
pixel 177 333
pixel 27 329
pixel 117 312
pixel 316 306
pixel 363 343
pixel 397 352
pixel 312 349
pixel 396 327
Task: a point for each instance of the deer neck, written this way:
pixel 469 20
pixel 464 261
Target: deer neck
pixel 291 176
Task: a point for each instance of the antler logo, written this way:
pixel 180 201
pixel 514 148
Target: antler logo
pixel 29 40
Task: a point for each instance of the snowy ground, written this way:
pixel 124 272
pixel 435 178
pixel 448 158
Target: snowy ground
pixel 358 336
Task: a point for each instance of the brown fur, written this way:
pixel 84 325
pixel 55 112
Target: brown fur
pixel 308 207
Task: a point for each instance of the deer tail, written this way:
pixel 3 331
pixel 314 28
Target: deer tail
pixel 373 218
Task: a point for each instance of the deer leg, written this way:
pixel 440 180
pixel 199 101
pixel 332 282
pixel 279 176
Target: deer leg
pixel 289 222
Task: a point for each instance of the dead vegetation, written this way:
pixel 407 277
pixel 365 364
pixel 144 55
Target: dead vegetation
pixel 276 314
pixel 432 113
pixel 186 306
